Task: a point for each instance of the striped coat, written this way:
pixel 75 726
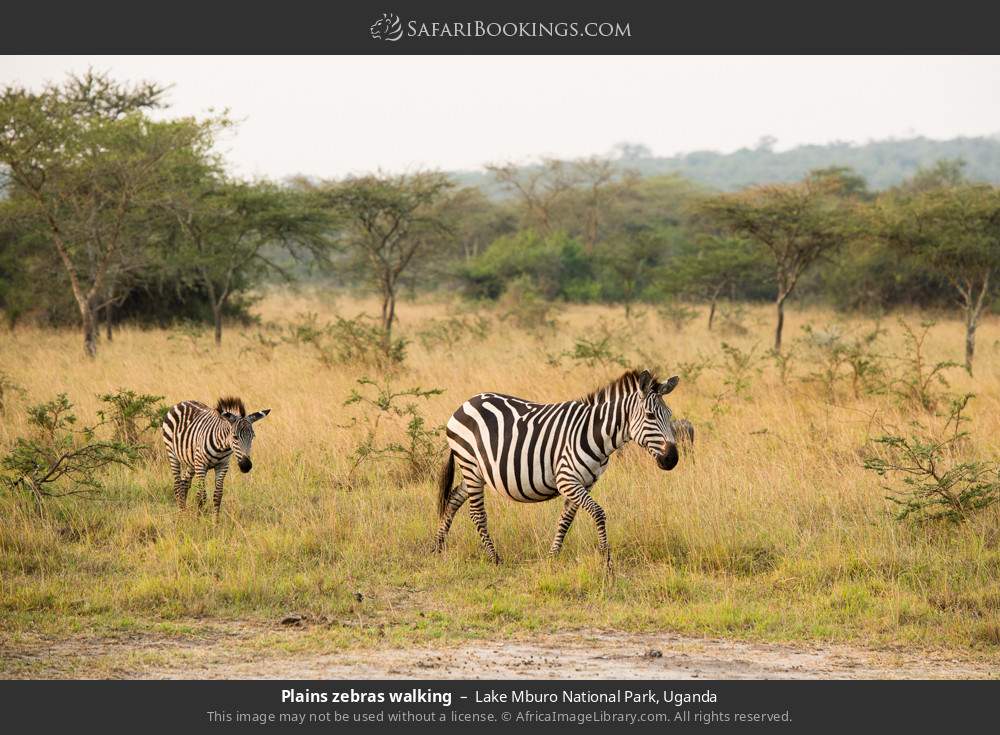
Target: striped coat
pixel 200 439
pixel 532 452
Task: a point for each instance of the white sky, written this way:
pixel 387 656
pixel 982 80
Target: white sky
pixel 329 116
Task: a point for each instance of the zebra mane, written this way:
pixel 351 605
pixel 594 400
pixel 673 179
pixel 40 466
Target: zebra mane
pixel 231 404
pixel 629 379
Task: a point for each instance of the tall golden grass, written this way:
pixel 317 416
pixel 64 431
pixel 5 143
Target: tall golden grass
pixel 771 528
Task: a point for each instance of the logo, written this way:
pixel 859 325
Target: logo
pixel 387 28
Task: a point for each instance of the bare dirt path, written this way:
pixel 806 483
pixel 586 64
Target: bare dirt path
pixel 590 655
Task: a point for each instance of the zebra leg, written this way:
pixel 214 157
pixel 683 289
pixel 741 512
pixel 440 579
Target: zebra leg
pixel 186 477
pixel 565 521
pixel 199 477
pixel 477 509
pixel 580 495
pixel 458 497
pixel 220 477
pixel 180 487
pixel 201 495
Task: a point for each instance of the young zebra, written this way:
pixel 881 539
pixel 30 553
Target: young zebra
pixel 200 439
pixel 536 451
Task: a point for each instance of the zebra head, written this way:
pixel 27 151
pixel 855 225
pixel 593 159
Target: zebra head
pixel 242 435
pixel 650 420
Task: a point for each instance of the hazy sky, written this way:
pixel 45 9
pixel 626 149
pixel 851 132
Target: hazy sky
pixel 329 116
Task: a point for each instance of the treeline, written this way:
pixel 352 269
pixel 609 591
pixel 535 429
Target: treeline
pixel 589 230
pixel 883 163
pixel 109 213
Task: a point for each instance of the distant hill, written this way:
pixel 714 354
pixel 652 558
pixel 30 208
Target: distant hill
pixel 883 163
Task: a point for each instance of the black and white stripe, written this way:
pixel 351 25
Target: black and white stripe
pixel 532 452
pixel 200 439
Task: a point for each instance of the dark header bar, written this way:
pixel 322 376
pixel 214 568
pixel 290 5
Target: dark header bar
pixel 510 27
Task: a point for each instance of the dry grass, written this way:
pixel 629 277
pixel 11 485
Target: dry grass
pixel 772 529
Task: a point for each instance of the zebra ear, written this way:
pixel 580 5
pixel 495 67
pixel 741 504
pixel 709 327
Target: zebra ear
pixel 230 417
pixel 645 381
pixel 258 416
pixel 665 388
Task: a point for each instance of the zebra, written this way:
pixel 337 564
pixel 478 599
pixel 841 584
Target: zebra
pixel 532 452
pixel 200 439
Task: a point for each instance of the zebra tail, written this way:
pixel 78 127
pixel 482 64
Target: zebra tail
pixel 445 488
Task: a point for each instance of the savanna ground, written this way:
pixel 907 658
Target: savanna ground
pixel 769 551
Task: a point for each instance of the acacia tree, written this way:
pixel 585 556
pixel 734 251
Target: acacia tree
pixel 81 160
pixel 602 181
pixel 709 264
pixel 954 229
pixel 475 221
pixel 633 260
pixel 540 188
pixel 390 221
pixel 577 196
pixel 24 257
pixel 136 264
pixel 230 229
pixel 796 224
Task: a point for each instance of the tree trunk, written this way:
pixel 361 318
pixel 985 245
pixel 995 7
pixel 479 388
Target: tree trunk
pixel 107 322
pixel 217 318
pixel 780 325
pixel 543 219
pixel 973 309
pixel 388 315
pixel 89 329
pixel 711 308
pixel 970 339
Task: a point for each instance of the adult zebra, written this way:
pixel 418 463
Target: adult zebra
pixel 200 439
pixel 533 452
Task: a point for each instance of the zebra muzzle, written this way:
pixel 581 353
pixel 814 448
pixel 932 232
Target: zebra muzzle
pixel 245 465
pixel 668 460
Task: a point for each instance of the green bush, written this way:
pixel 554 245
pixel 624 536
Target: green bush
pixel 345 341
pixel 60 459
pixel 446 333
pixel 837 355
pixel 131 413
pixel 939 481
pixel 383 407
pixel 739 367
pixel 921 382
pixel 600 351
pixel 555 264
